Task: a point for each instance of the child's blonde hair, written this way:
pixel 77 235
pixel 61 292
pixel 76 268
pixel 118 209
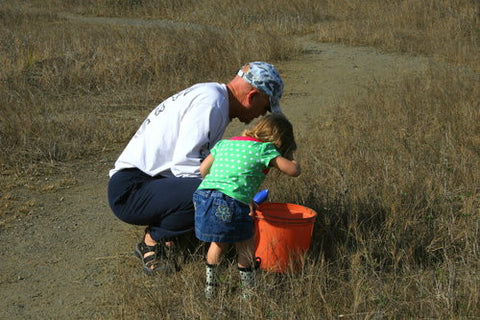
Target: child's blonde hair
pixel 274 128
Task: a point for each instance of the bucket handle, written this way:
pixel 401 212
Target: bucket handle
pixel 257 261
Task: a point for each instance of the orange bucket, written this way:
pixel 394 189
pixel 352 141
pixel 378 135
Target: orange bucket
pixel 283 233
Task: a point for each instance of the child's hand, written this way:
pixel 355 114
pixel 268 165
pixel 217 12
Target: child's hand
pixel 253 206
pixel 299 170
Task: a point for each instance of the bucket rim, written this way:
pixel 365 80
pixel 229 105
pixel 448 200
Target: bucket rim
pixel 286 220
pixel 265 216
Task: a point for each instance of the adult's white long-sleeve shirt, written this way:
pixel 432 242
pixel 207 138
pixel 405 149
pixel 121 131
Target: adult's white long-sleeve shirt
pixel 179 133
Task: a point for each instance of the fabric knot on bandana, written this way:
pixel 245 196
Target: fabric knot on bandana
pixel 266 78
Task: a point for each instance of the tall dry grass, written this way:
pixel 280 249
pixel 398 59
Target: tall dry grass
pixel 411 26
pixel 394 176
pixel 448 30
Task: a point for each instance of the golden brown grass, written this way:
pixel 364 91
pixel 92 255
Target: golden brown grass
pixel 444 29
pixel 395 175
pixel 397 178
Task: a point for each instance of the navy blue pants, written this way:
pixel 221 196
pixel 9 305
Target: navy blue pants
pixel 164 204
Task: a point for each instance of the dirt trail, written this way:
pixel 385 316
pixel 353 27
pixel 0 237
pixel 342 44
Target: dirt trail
pixel 56 259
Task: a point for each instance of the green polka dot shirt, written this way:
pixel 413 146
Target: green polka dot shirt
pixel 239 167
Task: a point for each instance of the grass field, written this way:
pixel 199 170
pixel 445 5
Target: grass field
pixel 395 175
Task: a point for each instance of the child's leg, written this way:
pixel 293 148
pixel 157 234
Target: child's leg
pixel 214 256
pixel 215 252
pixel 246 266
pixel 245 253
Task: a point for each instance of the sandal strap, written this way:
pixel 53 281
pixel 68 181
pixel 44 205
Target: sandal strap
pixel 144 248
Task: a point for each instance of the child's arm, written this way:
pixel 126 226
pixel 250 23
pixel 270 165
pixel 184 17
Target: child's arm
pixel 205 165
pixel 289 167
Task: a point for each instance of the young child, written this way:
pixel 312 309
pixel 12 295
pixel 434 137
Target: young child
pixel 233 173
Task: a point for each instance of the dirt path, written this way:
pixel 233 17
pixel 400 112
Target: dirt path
pixel 55 260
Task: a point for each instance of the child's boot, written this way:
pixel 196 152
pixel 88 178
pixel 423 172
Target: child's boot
pixel 247 279
pixel 211 280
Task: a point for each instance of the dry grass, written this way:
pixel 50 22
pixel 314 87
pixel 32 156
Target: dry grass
pixel 445 29
pixel 395 175
pixel 397 178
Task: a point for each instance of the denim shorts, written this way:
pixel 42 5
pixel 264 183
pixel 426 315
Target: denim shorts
pixel 220 218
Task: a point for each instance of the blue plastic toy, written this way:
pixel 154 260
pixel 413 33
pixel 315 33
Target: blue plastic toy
pixel 261 196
